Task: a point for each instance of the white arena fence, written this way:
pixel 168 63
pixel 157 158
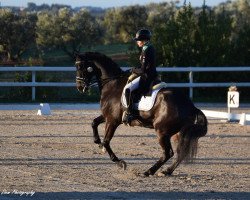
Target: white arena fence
pixel 190 70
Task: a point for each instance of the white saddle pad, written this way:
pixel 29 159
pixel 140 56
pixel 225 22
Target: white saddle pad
pixel 146 102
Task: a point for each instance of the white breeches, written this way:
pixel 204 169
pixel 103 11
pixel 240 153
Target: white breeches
pixel 133 85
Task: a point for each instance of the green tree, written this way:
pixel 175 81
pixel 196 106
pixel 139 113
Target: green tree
pixel 240 49
pixel 212 38
pixel 111 22
pixel 204 37
pixel 175 40
pixel 185 43
pixel 122 23
pixel 164 38
pixel 67 31
pixel 17 33
pixel 223 38
pixel 132 19
pixel 159 14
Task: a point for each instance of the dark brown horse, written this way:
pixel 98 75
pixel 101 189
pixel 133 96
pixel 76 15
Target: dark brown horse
pixel 172 112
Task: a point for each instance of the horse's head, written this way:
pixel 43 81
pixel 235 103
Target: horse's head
pixel 85 70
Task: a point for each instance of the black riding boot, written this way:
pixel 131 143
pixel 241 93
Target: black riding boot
pixel 128 116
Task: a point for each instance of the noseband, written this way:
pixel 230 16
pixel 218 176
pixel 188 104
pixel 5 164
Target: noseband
pixel 79 79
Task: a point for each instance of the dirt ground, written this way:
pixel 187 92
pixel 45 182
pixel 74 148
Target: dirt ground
pixel 54 157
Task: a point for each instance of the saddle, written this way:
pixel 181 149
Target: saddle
pixel 145 102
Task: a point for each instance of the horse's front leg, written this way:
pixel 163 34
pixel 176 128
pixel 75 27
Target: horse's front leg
pixel 96 122
pixel 109 133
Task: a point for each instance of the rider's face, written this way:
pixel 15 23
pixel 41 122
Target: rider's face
pixel 140 43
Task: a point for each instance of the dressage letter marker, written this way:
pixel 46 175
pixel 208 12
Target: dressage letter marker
pixel 233 99
pixel 44 109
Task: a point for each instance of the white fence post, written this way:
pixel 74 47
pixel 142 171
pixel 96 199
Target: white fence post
pixel 33 87
pixel 191 83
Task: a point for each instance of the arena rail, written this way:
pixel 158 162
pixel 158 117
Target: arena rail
pixel 191 70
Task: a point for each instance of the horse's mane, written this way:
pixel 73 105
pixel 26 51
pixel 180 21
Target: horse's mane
pixel 105 60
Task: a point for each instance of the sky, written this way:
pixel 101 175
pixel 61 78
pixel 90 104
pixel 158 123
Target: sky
pixel 102 3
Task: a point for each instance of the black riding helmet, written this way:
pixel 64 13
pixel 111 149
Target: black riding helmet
pixel 143 34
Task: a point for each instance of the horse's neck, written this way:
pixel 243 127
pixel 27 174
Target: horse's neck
pixel 110 76
pixel 114 88
pixel 108 70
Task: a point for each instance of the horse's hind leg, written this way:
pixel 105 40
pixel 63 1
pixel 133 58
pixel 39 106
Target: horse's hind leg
pixel 96 122
pixel 165 143
pixel 186 149
pixel 180 157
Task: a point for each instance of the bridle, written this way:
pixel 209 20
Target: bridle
pixel 85 81
pixel 98 81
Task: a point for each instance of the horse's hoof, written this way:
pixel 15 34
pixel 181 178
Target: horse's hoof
pixel 122 164
pixel 140 175
pixel 147 174
pixel 104 150
pixel 144 174
pixel 100 145
pixel 161 174
pixel 168 172
pixel 97 141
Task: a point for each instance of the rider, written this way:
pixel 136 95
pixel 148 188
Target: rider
pixel 145 74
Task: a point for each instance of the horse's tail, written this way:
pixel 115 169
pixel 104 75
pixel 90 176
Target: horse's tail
pixel 200 128
pixel 189 135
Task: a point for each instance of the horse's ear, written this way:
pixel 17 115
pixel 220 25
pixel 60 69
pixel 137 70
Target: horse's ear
pixel 76 54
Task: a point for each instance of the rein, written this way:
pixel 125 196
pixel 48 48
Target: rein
pixel 107 80
pixel 81 80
